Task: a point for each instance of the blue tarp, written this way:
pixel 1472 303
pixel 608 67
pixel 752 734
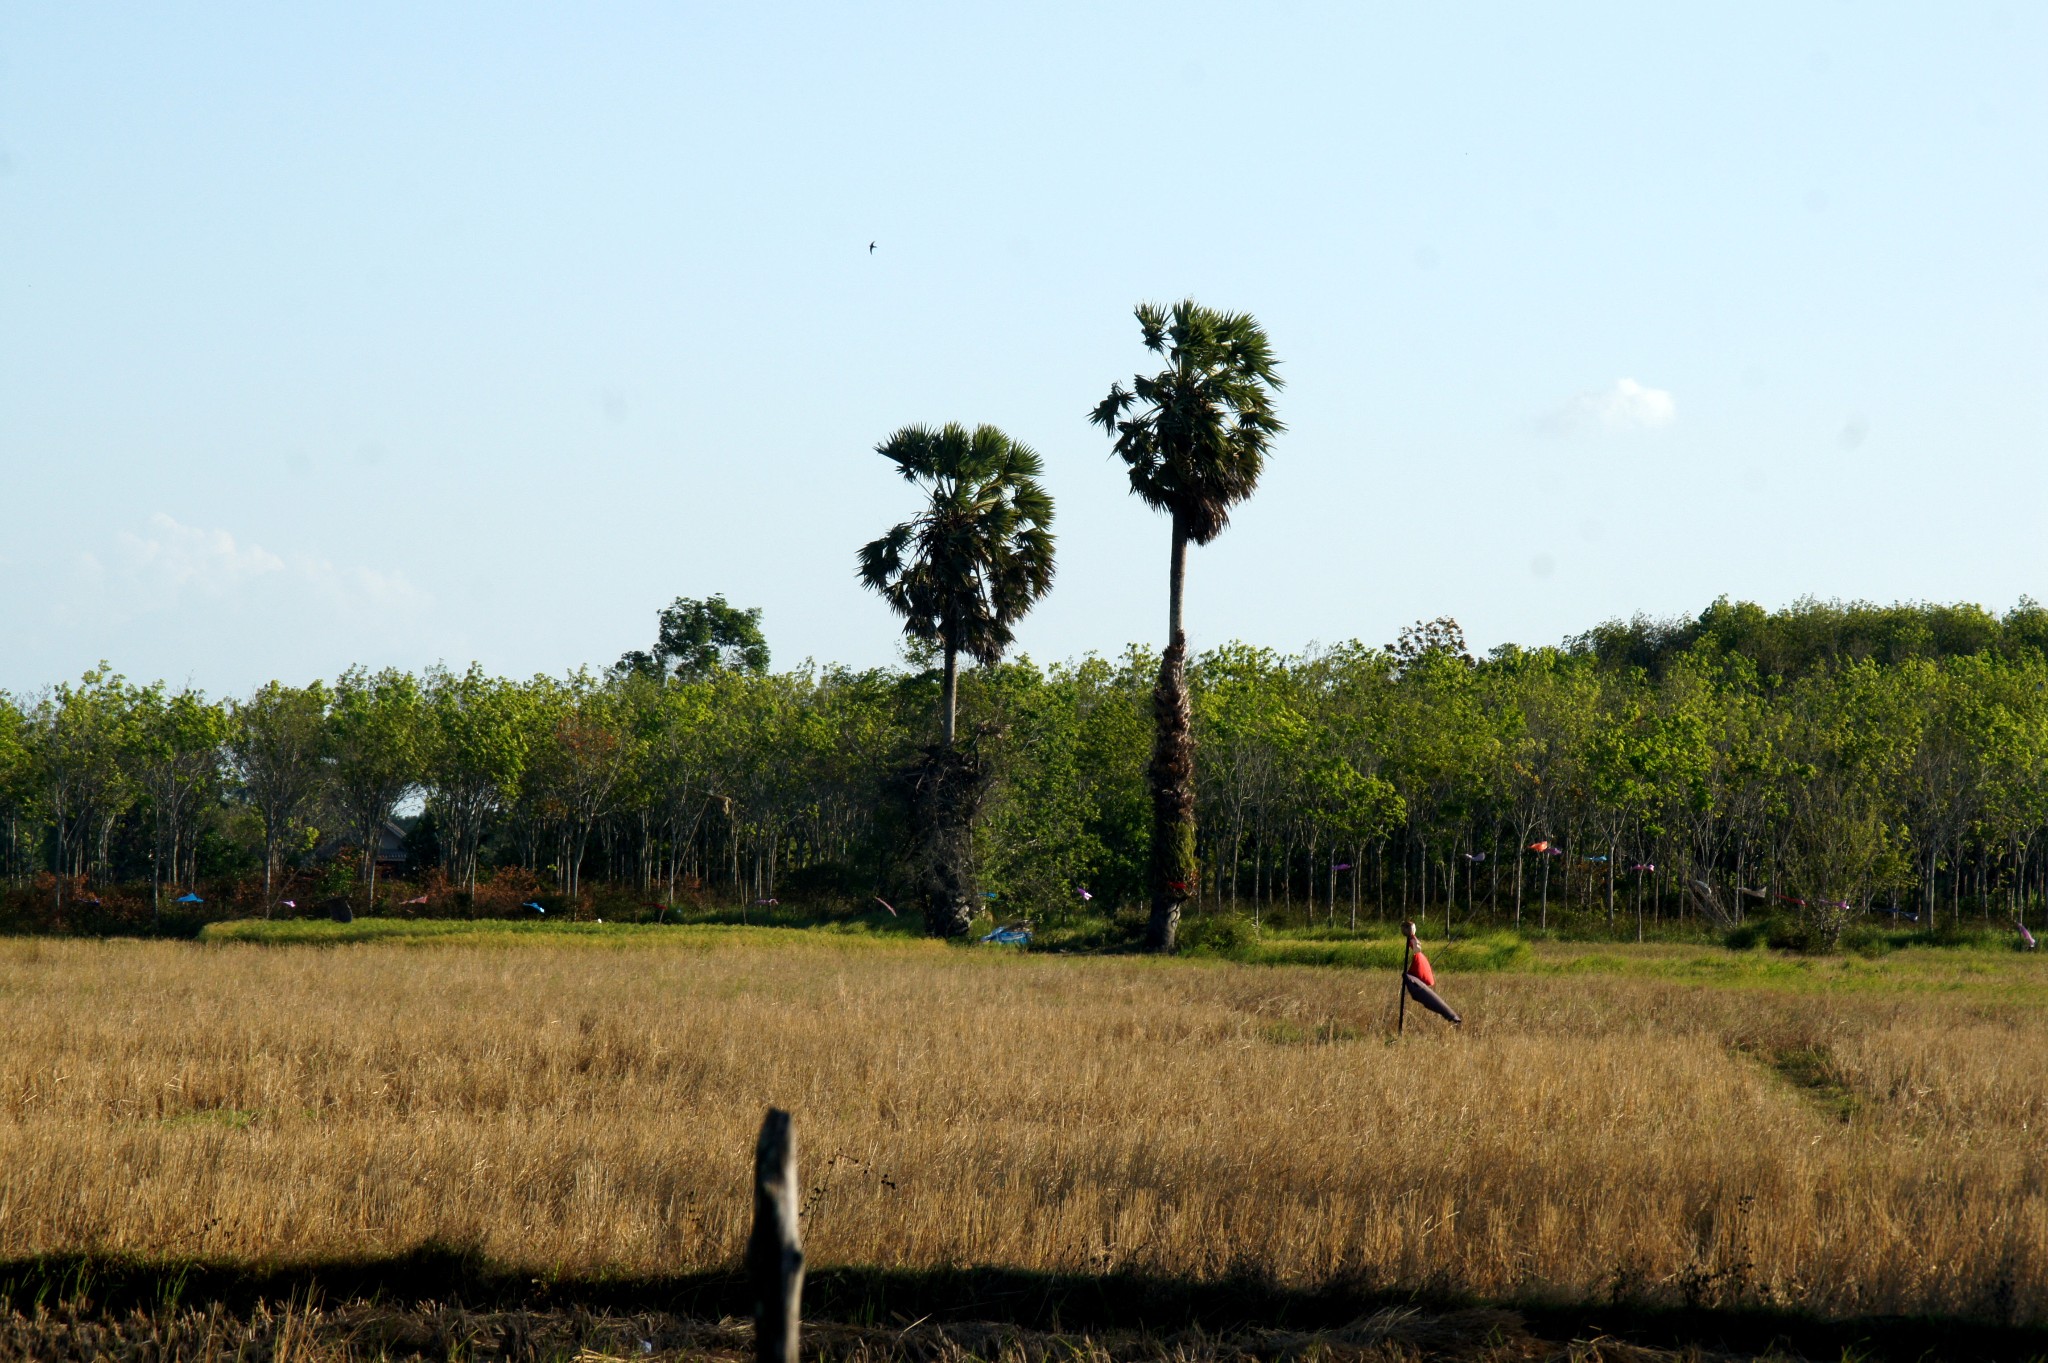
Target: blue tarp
pixel 188 899
pixel 1009 936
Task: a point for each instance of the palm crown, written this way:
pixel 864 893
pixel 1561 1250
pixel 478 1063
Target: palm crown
pixel 1195 435
pixel 963 571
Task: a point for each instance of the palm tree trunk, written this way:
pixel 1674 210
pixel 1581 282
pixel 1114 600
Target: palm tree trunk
pixel 948 786
pixel 951 695
pixel 1176 585
pixel 1175 875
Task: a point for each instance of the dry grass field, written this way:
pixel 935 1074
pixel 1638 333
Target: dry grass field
pixel 1839 1142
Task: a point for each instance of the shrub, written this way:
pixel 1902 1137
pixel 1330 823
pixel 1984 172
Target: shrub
pixel 1223 934
pixel 1748 935
pixel 1869 940
pixel 1784 934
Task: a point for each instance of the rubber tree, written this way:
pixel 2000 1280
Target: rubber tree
pixel 176 752
pixel 277 751
pixel 81 740
pixel 474 755
pixel 377 730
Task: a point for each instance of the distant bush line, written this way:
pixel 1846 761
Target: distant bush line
pixel 1827 762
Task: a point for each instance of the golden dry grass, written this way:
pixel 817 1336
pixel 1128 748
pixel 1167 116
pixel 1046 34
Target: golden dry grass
pixel 580 1109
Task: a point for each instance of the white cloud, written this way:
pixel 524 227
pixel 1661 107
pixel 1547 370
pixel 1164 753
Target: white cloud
pixel 362 586
pixel 173 557
pixel 170 562
pixel 1625 405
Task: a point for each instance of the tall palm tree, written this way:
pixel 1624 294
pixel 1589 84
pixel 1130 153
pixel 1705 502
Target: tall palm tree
pixel 961 573
pixel 1194 437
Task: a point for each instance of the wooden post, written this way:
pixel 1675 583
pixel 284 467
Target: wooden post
pixel 1407 959
pixel 775 1251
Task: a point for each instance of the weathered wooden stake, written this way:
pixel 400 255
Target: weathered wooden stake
pixel 1407 960
pixel 775 1251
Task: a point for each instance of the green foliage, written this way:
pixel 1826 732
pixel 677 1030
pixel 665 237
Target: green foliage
pixel 1811 635
pixel 176 757
pixel 1350 785
pixel 1489 951
pixel 1869 940
pixel 475 744
pixel 376 735
pixel 80 742
pixel 1748 936
pixel 1229 935
pixel 277 748
pixel 17 786
pixel 696 638
pixel 1039 844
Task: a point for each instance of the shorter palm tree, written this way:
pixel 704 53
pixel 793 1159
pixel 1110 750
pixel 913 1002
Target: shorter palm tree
pixel 965 570
pixel 961 573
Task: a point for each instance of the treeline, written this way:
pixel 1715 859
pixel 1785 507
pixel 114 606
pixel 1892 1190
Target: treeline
pixel 1824 762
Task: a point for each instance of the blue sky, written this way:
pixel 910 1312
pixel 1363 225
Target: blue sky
pixel 401 333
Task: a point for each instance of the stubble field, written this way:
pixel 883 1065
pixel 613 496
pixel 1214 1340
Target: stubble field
pixel 1839 1142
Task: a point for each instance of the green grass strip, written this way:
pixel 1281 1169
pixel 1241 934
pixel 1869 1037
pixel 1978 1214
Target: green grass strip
pixel 496 932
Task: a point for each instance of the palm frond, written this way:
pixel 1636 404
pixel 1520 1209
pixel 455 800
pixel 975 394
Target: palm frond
pixel 980 553
pixel 1194 437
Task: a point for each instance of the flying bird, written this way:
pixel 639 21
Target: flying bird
pixel 529 904
pixel 885 904
pixel 1085 896
pixel 871 248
